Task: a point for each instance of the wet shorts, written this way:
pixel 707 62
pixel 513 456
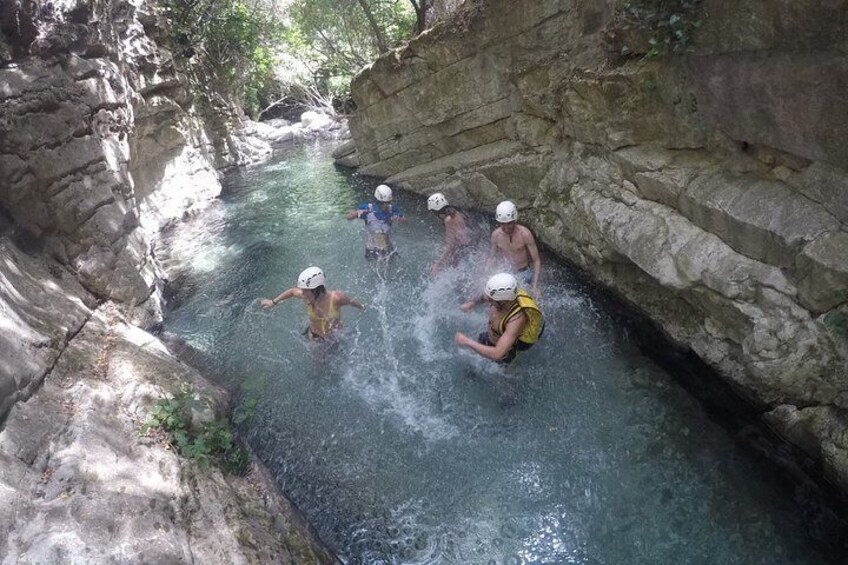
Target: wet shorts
pixel 510 356
pixel 525 275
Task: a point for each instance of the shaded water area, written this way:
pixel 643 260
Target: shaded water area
pixel 401 449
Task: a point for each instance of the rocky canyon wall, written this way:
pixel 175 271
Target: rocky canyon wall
pixel 102 141
pixel 710 188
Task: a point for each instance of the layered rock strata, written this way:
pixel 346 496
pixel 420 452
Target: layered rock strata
pixel 102 142
pixel 708 189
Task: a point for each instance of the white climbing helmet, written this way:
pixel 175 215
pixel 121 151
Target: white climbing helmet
pixel 311 278
pixel 436 202
pixel 501 287
pixel 506 212
pixel 383 193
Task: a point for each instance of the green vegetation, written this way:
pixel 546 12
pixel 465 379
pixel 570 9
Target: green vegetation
pixel 210 442
pixel 837 322
pixel 233 41
pixel 669 25
pixel 329 41
pixel 300 53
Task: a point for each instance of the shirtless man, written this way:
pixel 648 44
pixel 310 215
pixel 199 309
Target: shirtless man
pixel 515 321
pixel 516 244
pixel 322 306
pixel 457 234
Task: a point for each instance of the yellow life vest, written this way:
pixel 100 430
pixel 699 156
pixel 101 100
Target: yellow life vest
pixel 535 323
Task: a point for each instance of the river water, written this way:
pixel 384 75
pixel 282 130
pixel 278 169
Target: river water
pixel 401 449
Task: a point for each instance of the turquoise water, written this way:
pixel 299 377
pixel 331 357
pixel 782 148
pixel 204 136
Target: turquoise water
pixel 401 449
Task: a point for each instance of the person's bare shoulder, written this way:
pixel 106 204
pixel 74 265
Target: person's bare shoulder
pixel 526 234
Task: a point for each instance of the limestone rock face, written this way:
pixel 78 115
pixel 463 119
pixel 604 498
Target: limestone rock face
pixel 102 141
pixel 80 484
pixel 42 307
pixel 709 189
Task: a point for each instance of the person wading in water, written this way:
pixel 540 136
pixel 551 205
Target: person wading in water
pixel 323 307
pixel 378 223
pixel 516 244
pixel 515 321
pixel 457 234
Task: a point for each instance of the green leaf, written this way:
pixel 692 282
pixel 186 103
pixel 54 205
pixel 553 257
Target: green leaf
pixel 181 438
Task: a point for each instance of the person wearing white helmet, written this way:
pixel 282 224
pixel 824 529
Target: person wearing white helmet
pixel 516 245
pixel 515 321
pixel 457 234
pixel 378 222
pixel 322 306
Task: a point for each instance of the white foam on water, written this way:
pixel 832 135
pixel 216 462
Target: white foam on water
pixel 388 385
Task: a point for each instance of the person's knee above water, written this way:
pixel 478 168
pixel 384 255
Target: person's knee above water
pixel 378 218
pixel 515 321
pixel 457 234
pixel 322 306
pixel 516 245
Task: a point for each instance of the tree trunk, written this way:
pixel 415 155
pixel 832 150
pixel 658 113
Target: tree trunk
pixel 421 8
pixel 378 35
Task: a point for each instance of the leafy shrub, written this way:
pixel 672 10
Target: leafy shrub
pixel 670 25
pixel 235 40
pixel 208 443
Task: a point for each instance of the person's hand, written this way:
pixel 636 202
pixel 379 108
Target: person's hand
pixel 460 339
pixel 467 307
pixel 265 303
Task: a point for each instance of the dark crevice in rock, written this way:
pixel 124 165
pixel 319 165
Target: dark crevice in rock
pixel 110 106
pixel 160 88
pixel 89 170
pixel 91 73
pixel 77 170
pixel 39 381
pixel 89 214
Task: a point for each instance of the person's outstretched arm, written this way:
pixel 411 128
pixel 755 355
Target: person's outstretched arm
pixel 469 306
pixel 441 261
pixel 345 300
pixel 501 348
pixel 285 295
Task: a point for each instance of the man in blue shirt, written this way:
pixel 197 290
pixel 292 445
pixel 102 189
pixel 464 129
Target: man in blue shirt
pixel 378 223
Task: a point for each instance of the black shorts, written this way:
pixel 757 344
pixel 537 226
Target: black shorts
pixel 510 356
